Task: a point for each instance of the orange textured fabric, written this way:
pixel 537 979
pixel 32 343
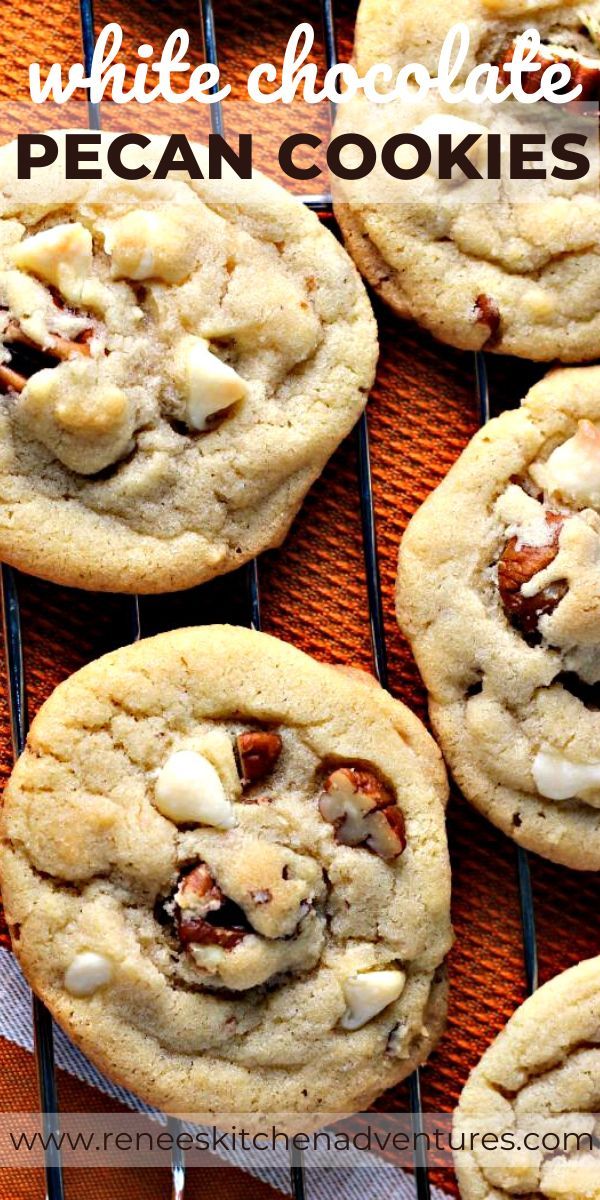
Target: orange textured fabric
pixel 313 590
pixel 18 1093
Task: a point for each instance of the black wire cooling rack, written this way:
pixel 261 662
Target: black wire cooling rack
pixel 42 1021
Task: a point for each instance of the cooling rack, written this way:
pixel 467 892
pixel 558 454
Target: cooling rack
pixel 42 1021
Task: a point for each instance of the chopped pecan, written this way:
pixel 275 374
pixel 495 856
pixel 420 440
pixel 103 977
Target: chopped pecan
pixel 518 564
pixel 528 486
pixel 584 71
pixel 257 754
pixel 199 891
pixel 29 357
pixel 387 834
pixel 57 347
pixel 204 915
pixel 10 380
pixel 487 313
pixel 64 349
pixel 363 812
pixel 202 933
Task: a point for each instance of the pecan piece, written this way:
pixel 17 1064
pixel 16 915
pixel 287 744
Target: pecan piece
pixel 518 564
pixel 11 380
pixel 363 812
pixel 200 932
pixel 387 833
pixel 257 754
pixel 199 891
pixel 204 915
pixel 29 357
pixel 58 347
pixel 585 71
pixel 487 313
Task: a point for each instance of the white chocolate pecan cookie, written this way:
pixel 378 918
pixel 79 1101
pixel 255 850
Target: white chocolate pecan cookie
pixel 499 593
pixel 178 359
pixel 513 269
pixel 224 866
pixel 537 1091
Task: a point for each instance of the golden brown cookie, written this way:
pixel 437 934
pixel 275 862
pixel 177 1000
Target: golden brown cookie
pixel 224 866
pixel 178 360
pixel 536 1094
pixel 512 268
pixel 499 593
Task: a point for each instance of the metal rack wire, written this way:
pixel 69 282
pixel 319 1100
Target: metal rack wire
pixel 42 1021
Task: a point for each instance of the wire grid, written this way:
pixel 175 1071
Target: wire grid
pixel 42 1021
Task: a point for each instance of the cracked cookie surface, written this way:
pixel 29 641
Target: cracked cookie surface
pixel 499 594
pixel 178 360
pixel 483 264
pixel 541 1077
pixel 192 910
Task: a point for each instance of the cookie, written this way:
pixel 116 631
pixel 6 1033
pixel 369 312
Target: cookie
pixel 225 870
pixel 179 359
pixel 499 594
pixel 539 1080
pixel 505 266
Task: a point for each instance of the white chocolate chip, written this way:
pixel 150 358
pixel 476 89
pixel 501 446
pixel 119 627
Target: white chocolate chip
pixel 189 791
pixel 146 245
pixel 573 469
pixel 210 958
pixel 561 778
pixel 217 746
pixel 368 993
pixel 62 256
pixel 87 972
pixel 208 384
